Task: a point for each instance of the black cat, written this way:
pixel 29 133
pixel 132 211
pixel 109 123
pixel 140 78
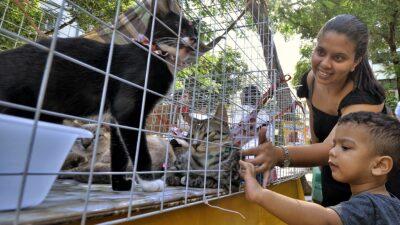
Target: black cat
pixel 76 90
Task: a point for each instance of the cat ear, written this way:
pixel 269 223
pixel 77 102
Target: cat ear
pixel 221 113
pixel 106 127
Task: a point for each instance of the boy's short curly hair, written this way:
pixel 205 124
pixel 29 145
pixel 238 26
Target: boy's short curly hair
pixel 383 129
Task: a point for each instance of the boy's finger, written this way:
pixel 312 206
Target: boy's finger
pixel 242 163
pixel 247 166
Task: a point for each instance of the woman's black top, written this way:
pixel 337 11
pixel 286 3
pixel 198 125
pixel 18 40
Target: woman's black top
pixel 334 192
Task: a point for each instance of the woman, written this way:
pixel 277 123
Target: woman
pixel 341 81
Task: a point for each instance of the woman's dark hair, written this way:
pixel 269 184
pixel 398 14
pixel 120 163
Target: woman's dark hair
pixel 357 32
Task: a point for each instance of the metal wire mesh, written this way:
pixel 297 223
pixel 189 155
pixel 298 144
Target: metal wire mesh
pixel 241 71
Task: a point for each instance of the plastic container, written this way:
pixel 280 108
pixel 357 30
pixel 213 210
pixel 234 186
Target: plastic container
pixel 51 147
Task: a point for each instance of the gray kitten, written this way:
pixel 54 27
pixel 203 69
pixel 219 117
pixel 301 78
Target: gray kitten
pixel 212 150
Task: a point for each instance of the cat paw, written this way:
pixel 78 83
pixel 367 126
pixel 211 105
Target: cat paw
pixel 173 180
pixel 211 183
pixel 121 184
pixel 193 181
pixel 183 181
pixel 152 185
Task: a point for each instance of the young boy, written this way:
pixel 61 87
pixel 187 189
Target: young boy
pixel 366 150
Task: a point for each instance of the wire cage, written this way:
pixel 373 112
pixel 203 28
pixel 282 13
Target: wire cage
pixel 238 71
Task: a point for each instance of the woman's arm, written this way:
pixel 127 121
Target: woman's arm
pixel 362 107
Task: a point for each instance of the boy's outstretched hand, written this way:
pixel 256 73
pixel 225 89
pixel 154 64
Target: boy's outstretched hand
pixel 252 188
pixel 264 156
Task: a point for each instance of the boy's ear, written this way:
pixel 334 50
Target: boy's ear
pixel 382 165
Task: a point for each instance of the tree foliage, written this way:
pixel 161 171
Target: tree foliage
pixel 101 9
pixel 16 21
pixel 216 73
pixel 303 65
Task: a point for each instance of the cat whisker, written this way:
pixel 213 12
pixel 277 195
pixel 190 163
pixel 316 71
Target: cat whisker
pixel 174 41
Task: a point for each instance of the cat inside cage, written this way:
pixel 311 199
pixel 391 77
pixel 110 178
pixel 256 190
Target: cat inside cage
pixel 125 81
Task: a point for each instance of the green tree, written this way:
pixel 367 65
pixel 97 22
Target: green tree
pixel 303 65
pixel 26 18
pixel 102 9
pixel 215 74
pixel 16 21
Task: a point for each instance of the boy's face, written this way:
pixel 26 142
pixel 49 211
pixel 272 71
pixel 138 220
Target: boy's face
pixel 351 159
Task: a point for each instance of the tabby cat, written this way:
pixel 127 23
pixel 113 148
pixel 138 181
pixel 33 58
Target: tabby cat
pixel 76 90
pixel 211 149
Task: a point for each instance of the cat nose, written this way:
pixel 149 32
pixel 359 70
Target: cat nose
pixel 195 143
pixel 86 142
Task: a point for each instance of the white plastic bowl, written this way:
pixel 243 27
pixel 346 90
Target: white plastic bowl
pixel 51 146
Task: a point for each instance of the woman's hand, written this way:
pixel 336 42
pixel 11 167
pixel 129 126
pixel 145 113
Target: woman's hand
pixel 266 155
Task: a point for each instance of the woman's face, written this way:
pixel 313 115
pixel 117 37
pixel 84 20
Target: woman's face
pixel 333 58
